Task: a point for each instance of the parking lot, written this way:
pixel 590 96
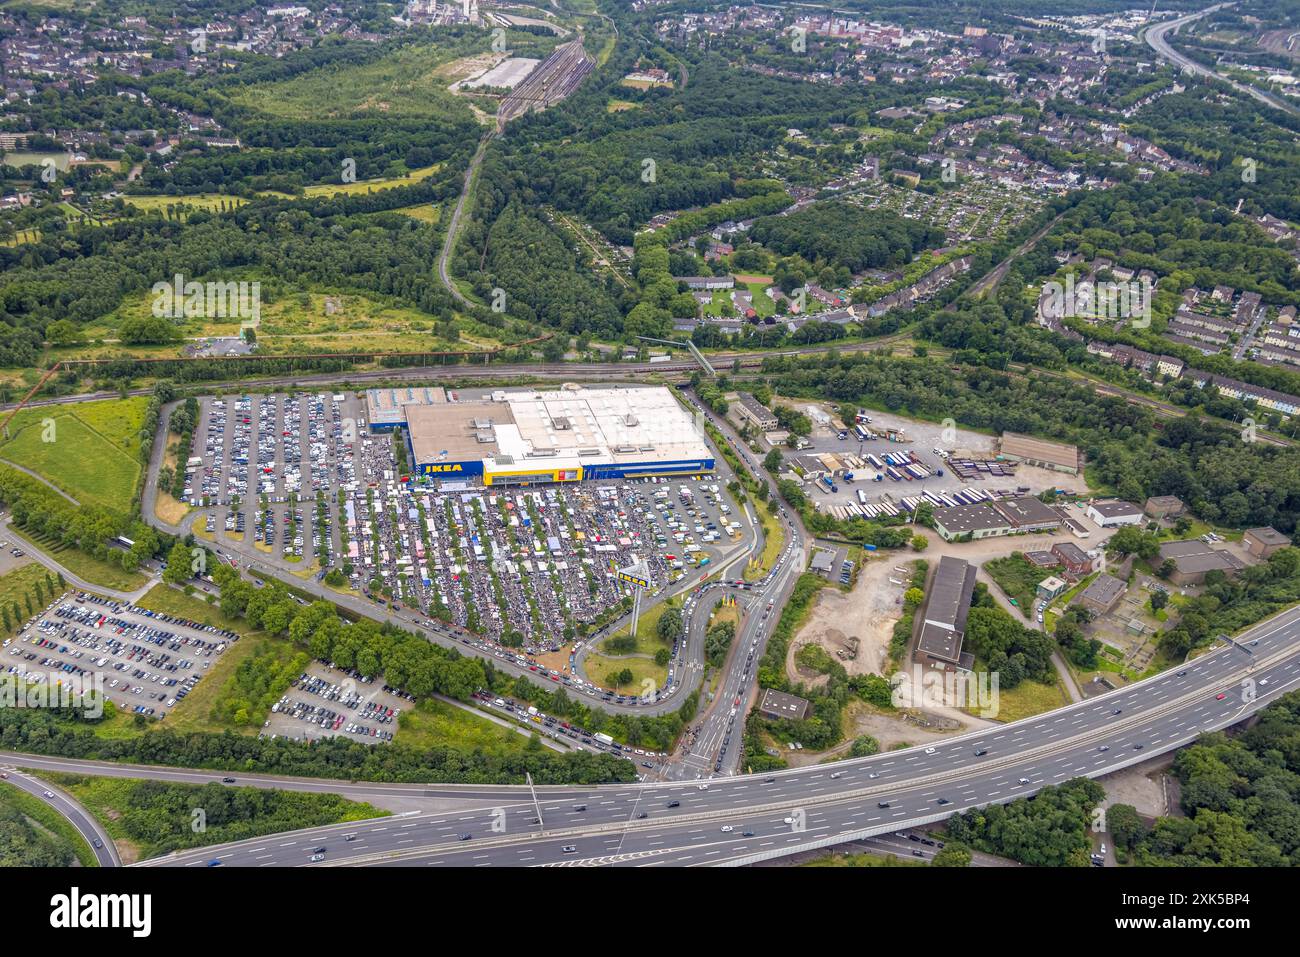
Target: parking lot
pixel 325 702
pixel 904 461
pixel 149 661
pixel 300 483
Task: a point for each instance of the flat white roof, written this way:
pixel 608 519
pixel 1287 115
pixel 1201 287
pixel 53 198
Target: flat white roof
pixel 570 427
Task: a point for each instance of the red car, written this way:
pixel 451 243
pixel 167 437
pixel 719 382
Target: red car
pixel 1220 696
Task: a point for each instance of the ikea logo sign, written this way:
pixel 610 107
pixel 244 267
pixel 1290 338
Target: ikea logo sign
pixel 444 468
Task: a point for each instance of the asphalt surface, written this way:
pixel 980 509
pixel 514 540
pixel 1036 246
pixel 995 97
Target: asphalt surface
pixel 90 829
pixel 802 809
pixel 1155 37
pixel 450 637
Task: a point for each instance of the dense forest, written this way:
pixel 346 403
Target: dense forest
pixel 1240 796
pixel 840 234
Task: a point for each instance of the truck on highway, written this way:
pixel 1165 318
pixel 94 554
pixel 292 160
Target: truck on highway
pixel 603 738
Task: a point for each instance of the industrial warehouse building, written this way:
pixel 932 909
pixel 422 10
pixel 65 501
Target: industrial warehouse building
pixel 1194 559
pixel 565 435
pixel 943 625
pixel 1114 514
pixel 1263 542
pixel 1010 516
pixel 1050 455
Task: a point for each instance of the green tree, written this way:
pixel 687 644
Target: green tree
pixel 179 562
pixel 952 854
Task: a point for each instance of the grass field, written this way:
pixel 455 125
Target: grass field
pixel 1026 699
pixel 372 185
pixel 187 204
pixel 59 444
pixel 405 83
pixel 436 724
pixel 45 818
pixel 773 542
pixel 23 236
pixel 1018 579
pixel 601 670
pixel 647 640
pixel 294 321
pixel 105 574
pixel 863 860
pixel 425 213
pixel 15 587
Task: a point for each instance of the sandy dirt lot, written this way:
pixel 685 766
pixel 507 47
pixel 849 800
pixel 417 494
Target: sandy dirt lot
pixel 1142 786
pixel 866 613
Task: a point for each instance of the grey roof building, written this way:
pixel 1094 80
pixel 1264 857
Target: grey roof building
pixel 778 704
pixel 1101 595
pixel 1193 559
pixel 947 605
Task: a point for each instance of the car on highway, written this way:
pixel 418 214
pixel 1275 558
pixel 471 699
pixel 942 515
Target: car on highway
pixel 1220 696
pixel 931 750
pixel 569 849
pixel 227 780
pixel 980 752
pixel 97 844
pixel 464 837
pixel 674 804
pixel 727 829
pixel 317 857
pixel 50 795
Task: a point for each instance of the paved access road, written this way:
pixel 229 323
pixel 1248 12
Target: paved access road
pixel 96 838
pixel 802 809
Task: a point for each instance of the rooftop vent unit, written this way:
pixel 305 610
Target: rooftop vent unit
pixel 561 422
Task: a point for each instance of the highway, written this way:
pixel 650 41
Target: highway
pixel 716 744
pixel 807 808
pixel 91 831
pixel 1156 35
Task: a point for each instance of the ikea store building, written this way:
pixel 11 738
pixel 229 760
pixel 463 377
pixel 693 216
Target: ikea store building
pixel 527 437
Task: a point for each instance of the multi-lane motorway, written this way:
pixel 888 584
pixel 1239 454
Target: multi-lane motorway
pixel 748 818
pixel 1156 38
